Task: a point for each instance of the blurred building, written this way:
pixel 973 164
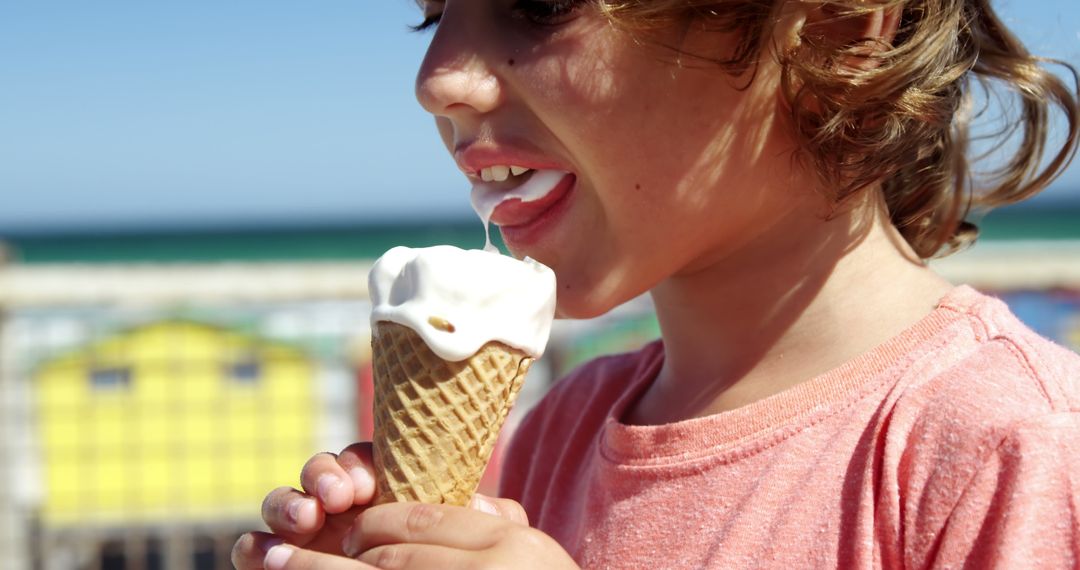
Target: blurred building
pixel 147 409
pixel 154 386
pixel 169 421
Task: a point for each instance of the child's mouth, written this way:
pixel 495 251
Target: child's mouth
pixel 501 184
pixel 527 186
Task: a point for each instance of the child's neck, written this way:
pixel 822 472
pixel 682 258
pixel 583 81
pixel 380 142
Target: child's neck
pixel 780 311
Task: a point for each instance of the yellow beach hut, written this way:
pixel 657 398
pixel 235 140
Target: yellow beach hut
pixel 170 422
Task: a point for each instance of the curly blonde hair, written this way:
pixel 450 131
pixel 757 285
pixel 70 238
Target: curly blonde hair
pixel 904 119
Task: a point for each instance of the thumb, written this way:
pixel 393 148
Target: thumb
pixel 288 557
pixel 508 509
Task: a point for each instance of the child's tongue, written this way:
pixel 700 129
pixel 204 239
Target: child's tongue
pixel 486 196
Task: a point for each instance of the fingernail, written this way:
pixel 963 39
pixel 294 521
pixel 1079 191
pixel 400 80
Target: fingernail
pixel 326 485
pixel 363 483
pixel 277 557
pixel 485 506
pixel 302 512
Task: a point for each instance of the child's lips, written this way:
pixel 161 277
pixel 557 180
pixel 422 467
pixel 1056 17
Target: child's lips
pixel 515 212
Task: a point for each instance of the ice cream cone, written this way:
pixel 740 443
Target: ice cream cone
pixel 436 421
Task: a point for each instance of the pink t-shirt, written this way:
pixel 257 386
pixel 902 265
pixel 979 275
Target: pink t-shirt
pixel 954 445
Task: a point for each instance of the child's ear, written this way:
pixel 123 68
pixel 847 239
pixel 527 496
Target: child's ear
pixel 834 24
pixel 852 25
pixel 787 32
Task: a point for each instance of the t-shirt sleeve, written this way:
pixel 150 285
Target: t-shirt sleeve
pixel 1021 508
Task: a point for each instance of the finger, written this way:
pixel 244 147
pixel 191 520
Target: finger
pixel 393 523
pixel 292 514
pixel 418 556
pixel 330 537
pixel 251 548
pixel 508 509
pixel 324 478
pixel 286 557
pixel 357 462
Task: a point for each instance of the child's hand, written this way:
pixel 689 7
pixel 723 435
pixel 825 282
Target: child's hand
pixel 336 490
pixel 417 536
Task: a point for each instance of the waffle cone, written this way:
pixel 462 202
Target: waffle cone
pixel 436 421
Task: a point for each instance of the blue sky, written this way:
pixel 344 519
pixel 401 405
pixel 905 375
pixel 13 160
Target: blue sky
pixel 125 113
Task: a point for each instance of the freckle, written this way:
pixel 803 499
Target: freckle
pixel 510 62
pixel 637 186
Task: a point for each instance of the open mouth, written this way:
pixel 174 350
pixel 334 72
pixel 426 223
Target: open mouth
pixel 519 195
pixel 526 186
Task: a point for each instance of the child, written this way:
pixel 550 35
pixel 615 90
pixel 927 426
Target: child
pixel 774 173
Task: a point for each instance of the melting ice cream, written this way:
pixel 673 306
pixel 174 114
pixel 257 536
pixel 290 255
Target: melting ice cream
pixel 458 300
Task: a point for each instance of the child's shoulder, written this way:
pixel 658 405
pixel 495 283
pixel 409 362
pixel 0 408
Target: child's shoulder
pixel 990 382
pixel 981 433
pixel 999 365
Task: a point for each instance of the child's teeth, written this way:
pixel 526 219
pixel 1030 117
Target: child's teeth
pixel 500 172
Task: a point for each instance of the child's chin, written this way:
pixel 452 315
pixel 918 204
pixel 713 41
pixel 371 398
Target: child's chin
pixel 567 306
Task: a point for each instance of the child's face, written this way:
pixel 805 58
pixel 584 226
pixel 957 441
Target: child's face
pixel 674 167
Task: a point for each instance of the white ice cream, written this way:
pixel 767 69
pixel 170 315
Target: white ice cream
pixel 458 300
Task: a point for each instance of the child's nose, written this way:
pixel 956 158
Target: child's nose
pixel 455 78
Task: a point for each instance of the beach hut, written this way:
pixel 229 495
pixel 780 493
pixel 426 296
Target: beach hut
pixel 168 422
